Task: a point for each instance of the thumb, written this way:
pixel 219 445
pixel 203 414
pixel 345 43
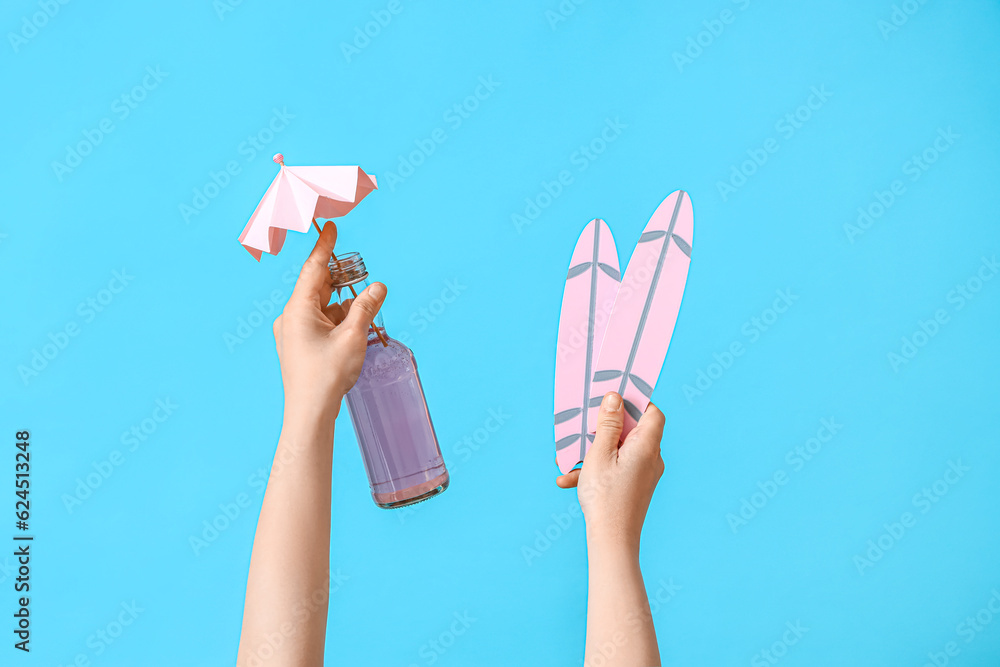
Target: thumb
pixel 365 307
pixel 314 278
pixel 610 420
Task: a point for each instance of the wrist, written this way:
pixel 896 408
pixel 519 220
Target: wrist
pixel 310 416
pixel 612 550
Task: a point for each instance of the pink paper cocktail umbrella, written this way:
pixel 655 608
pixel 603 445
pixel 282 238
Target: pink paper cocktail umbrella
pixel 299 195
pixel 296 198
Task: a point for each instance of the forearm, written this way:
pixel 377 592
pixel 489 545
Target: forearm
pixel 291 549
pixel 619 625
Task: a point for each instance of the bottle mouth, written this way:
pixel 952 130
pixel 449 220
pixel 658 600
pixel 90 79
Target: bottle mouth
pixel 347 269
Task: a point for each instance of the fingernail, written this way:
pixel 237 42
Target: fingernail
pixel 377 290
pixel 612 402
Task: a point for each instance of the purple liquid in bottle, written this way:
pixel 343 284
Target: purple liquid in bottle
pixel 389 412
pixel 394 428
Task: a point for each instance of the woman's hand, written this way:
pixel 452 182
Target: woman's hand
pixel 616 482
pixel 322 347
pixel 615 486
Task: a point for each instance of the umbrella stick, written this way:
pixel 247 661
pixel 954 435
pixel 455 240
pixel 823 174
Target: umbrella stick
pixel 378 333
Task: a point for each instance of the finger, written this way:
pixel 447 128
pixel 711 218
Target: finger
pixel 610 420
pixel 647 434
pixel 315 283
pixel 365 307
pixel 569 480
pixel 335 313
pixel 340 310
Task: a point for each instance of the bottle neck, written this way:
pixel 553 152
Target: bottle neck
pixel 350 278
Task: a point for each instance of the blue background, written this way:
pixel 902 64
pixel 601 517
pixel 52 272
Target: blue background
pixel 405 574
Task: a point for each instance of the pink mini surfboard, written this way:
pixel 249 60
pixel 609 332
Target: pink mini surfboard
pixel 645 311
pixel 589 295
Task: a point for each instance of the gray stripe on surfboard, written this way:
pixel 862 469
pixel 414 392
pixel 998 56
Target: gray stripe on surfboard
pixel 632 409
pixel 641 385
pixel 567 441
pixel 683 245
pixel 611 271
pixel 566 415
pixel 591 316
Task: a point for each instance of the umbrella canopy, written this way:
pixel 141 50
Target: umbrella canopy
pixel 299 195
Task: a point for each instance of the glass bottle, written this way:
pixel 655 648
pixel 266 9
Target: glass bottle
pixel 388 408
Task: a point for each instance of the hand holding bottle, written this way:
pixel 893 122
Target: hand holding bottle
pixel 616 483
pixel 321 347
